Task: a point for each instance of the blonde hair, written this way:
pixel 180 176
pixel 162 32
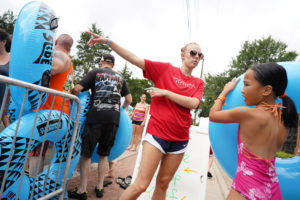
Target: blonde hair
pixel 188 44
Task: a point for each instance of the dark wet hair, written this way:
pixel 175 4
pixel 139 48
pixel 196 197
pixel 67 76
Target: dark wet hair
pixel 275 75
pixel 5 36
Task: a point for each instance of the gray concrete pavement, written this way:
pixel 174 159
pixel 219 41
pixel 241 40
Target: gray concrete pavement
pixel 218 187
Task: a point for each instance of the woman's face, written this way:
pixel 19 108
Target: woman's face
pixel 143 98
pixel 191 56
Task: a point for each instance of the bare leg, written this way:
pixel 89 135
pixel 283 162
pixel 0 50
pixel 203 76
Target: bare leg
pixel 131 144
pixel 149 162
pixel 234 195
pixel 111 173
pixel 102 170
pixel 78 165
pixel 210 161
pixel 34 169
pixel 85 164
pixel 139 132
pixel 168 168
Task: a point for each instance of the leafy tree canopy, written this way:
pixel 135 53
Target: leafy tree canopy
pixel 136 86
pixel 8 21
pixel 88 58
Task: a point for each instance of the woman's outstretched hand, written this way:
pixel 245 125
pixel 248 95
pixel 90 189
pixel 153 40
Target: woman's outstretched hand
pixel 96 39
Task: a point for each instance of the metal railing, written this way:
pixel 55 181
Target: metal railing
pixel 13 177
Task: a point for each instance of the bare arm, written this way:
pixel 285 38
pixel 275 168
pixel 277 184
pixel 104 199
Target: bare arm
pixel 77 89
pixel 124 53
pixel 216 113
pixel 5 116
pixel 128 100
pixel 132 113
pixel 146 114
pixel 184 101
pixel 60 63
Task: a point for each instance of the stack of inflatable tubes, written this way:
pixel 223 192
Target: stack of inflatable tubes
pixel 30 61
pixel 31 51
pixel 223 137
pixel 57 166
pixel 122 140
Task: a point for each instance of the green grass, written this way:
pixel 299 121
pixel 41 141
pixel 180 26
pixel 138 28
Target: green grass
pixel 282 154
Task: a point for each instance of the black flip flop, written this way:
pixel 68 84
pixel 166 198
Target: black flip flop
pixel 106 183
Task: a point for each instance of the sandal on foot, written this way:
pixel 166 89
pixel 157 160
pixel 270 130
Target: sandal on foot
pixel 73 194
pixel 99 192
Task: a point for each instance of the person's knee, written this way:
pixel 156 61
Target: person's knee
pixel 162 182
pixel 140 187
pixel 103 158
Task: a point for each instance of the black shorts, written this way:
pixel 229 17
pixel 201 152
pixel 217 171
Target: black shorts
pixel 137 122
pixel 104 134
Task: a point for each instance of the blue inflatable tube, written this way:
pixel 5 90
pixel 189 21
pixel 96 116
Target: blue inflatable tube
pixel 85 106
pixel 58 163
pixel 123 137
pixel 13 111
pixel 223 137
pixel 31 51
pixel 18 157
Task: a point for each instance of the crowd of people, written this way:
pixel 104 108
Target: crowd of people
pixel 262 128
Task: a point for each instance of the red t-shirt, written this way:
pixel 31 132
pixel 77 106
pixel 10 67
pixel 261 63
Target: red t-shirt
pixel 170 121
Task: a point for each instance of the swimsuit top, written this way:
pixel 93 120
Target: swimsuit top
pixel 256 177
pixel 139 112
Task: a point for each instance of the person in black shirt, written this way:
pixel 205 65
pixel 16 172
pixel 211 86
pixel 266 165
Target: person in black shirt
pixel 102 121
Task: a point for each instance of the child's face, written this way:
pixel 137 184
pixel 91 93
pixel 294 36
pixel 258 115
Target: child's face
pixel 252 90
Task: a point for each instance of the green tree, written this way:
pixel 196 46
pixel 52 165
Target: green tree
pixel 137 88
pixel 8 21
pixel 135 85
pixel 87 58
pixel 126 73
pixel 258 51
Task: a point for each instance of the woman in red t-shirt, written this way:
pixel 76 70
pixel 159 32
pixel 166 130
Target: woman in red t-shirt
pixel 174 94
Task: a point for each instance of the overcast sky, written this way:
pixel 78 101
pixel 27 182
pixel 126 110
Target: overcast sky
pixel 157 29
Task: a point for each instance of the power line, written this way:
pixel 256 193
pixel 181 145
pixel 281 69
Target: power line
pixel 189 18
